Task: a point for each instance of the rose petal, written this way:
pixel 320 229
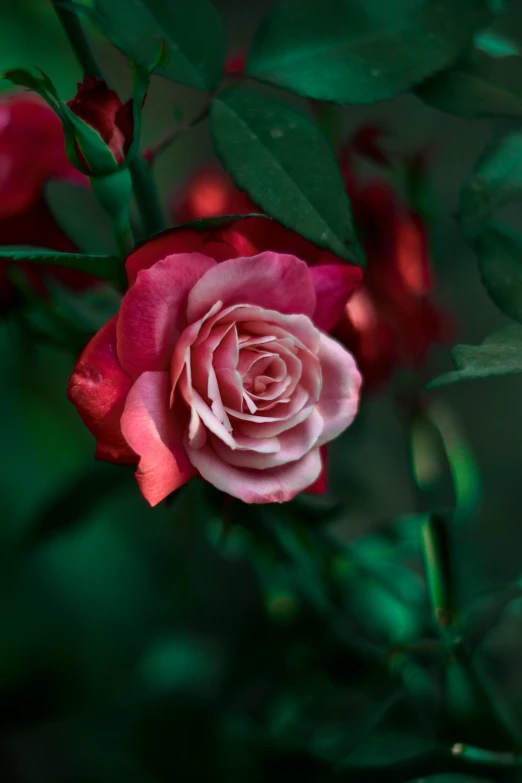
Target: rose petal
pixel 175 241
pixel 339 397
pixel 274 485
pixel 98 388
pixel 259 323
pixel 181 353
pixel 333 284
pixel 269 280
pixel 299 400
pixel 152 313
pixel 293 445
pixel 155 433
pixel 211 422
pixel 320 485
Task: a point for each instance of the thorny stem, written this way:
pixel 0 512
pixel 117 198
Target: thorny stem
pixel 441 586
pixel 146 195
pixel 438 561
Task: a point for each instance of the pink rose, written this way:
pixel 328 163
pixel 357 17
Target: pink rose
pixel 214 366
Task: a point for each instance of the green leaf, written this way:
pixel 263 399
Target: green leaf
pixel 495 44
pixel 206 224
pixel 361 51
pixel 495 182
pixel 87 310
pixel 388 748
pixel 499 253
pixel 479 85
pixel 104 267
pixel 86 490
pixel 499 354
pixel 41 85
pixel 286 166
pixel 192 30
pixel 76 211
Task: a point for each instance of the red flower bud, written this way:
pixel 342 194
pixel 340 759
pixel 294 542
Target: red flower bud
pixel 102 109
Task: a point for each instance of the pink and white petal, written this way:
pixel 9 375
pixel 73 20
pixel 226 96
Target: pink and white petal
pixel 156 434
pixel 253 363
pixel 293 445
pixel 196 433
pixel 181 352
pixel 202 358
pixel 269 280
pixel 227 352
pixel 261 445
pixel 311 376
pixel 224 363
pixel 320 485
pixel 281 412
pixel 274 485
pixel 265 428
pixel 198 405
pixel 334 284
pixel 257 323
pixel 152 314
pixel 230 387
pixel 98 388
pixel 342 380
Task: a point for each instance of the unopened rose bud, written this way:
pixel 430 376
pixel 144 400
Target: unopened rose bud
pixel 102 109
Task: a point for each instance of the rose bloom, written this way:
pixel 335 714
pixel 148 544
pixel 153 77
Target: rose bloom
pixel 32 151
pixel 102 109
pixel 390 320
pixel 218 364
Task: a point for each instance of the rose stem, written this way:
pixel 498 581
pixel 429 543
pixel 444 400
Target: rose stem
pixel 145 191
pixel 441 589
pixel 153 152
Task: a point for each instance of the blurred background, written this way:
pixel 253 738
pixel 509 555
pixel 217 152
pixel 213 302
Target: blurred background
pixel 144 645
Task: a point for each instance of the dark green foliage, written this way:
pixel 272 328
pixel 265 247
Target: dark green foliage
pixel 301 185
pixel 361 51
pixel 499 354
pixel 192 32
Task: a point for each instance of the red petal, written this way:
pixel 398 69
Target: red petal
pixel 98 388
pixel 177 240
pixel 333 284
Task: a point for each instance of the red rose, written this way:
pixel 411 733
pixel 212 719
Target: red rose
pixel 101 109
pixel 390 320
pixel 216 364
pixel 32 151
